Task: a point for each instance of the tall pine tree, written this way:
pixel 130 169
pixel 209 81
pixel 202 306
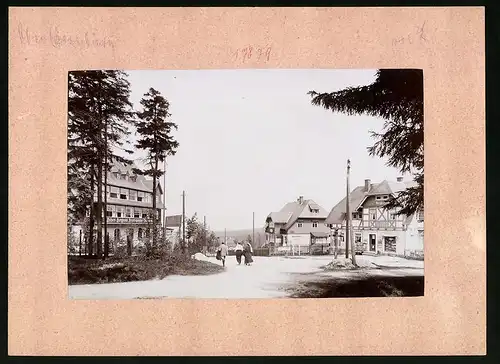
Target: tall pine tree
pixel 98 112
pixel 396 95
pixel 155 137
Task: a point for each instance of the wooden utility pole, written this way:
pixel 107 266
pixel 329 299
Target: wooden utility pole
pixel 253 228
pixel 336 243
pixel 225 236
pixel 205 232
pixel 347 212
pixel 349 218
pixel 184 221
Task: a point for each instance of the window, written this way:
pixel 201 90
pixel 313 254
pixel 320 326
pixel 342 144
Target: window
pixel 314 211
pixel 140 196
pixel 123 193
pixel 390 244
pixel 357 215
pixel 114 192
pixel 373 214
pixel 133 178
pixel 420 215
pixel 137 213
pixel 299 224
pixel 315 224
pixel 132 195
pixel 147 233
pixel 115 174
pixel 144 215
pixel 357 238
pixel 129 212
pixel 139 233
pixel 119 211
pixel 385 197
pixel 378 197
pixel 124 176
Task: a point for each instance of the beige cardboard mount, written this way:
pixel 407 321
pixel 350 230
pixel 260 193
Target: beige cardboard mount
pixel 447 43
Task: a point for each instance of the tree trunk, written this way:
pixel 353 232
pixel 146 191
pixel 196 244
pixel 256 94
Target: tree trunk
pixel 155 235
pixel 90 241
pixel 106 236
pixel 99 206
pixel 99 181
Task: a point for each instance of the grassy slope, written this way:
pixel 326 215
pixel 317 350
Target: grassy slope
pixel 88 271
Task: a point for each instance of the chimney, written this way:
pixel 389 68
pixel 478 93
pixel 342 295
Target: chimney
pixel 300 200
pixel 367 185
pixel 400 179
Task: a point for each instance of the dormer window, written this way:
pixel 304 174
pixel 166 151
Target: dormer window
pixel 123 176
pixel 115 174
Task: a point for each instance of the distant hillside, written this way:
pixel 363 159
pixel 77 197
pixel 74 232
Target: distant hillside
pixel 242 235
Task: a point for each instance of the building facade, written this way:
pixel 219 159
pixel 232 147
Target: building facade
pixel 129 207
pixel 296 226
pixel 376 229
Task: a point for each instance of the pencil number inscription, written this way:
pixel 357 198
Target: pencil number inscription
pixel 261 54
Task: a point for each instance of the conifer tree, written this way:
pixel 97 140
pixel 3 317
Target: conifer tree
pixel 397 96
pixel 154 129
pixel 98 113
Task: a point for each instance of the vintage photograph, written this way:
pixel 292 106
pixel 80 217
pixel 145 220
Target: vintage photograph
pixel 245 183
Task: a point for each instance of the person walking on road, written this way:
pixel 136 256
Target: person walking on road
pixel 223 253
pixel 248 251
pixel 238 250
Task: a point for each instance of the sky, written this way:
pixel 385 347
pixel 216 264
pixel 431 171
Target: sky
pixel 251 141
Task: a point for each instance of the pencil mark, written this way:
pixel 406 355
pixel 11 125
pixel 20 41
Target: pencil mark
pixel 257 53
pixel 59 39
pixel 417 36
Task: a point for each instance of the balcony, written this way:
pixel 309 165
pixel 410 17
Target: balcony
pixel 378 224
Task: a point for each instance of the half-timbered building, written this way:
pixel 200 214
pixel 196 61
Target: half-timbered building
pixel 377 229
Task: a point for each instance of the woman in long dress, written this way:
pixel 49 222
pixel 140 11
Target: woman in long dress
pixel 247 252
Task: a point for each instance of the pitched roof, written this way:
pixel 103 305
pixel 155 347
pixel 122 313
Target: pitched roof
pixel 294 210
pixel 358 196
pixel 140 184
pixel 303 210
pixel 280 217
pixel 337 214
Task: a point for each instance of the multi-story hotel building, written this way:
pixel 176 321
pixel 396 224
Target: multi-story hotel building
pixel 129 204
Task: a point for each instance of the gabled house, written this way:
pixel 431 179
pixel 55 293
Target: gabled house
pixel 375 228
pixel 296 225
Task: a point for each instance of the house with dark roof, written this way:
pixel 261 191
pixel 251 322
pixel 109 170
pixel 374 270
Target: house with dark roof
pixel 297 225
pixel 375 228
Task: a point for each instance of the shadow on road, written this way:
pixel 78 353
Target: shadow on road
pixel 379 286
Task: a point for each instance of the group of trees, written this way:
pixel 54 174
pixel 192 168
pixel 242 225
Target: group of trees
pixel 397 96
pixel 198 235
pixel 100 116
